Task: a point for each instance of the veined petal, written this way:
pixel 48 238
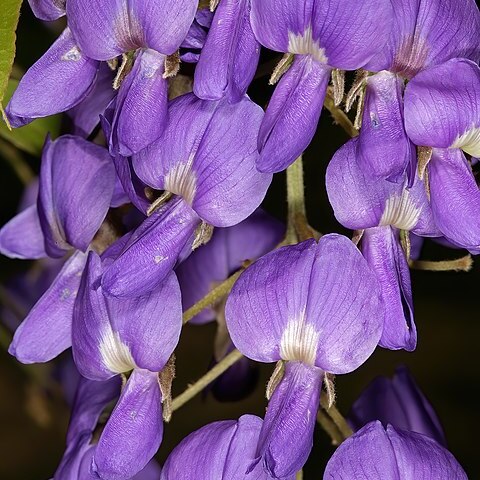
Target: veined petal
pixel 76 185
pixel 48 9
pixel 268 296
pixel 286 438
pixel 442 106
pixel 152 251
pixel 346 310
pixel 292 115
pixel 455 198
pixel 141 106
pixel 46 87
pixel 426 33
pixel 22 236
pixel 135 422
pixel 105 30
pixel 46 331
pixel 380 247
pixel 359 201
pixel 207 156
pixel 229 58
pixel 384 150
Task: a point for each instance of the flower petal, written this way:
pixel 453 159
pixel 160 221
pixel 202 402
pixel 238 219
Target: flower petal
pixel 45 88
pixel 105 30
pixel 292 114
pixel 286 438
pixel 266 296
pixel 229 58
pixel 455 198
pixel 46 331
pixel 152 251
pixel 428 33
pixel 442 106
pixel 76 186
pixel 344 306
pixel 384 149
pixel 381 249
pixel 22 236
pixel 48 9
pixel 141 106
pixel 133 432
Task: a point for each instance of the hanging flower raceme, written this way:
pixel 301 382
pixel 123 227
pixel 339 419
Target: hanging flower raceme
pixel 77 180
pixel 318 308
pixel 442 110
pixel 212 264
pixel 113 336
pixel 399 402
pixel 146 31
pixel 382 209
pixel 220 450
pixel 323 35
pixel 206 158
pixel 378 453
pixel 424 33
pixel 229 58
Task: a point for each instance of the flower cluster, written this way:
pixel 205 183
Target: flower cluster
pixel 153 201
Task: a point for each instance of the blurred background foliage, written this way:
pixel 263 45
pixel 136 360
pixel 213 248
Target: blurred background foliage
pixel 33 419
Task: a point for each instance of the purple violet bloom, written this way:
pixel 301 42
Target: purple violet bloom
pixel 323 34
pixel 151 30
pixel 378 453
pixel 317 307
pixel 382 208
pixel 229 58
pixel 46 88
pixel 442 110
pixel 399 402
pixel 210 265
pixel 90 400
pixel 112 336
pixel 218 451
pixel 206 158
pixel 424 33
pixel 193 43
pixel 48 10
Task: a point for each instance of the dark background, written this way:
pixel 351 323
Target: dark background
pixel 33 422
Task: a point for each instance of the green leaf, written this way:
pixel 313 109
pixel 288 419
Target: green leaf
pixel 8 26
pixel 31 137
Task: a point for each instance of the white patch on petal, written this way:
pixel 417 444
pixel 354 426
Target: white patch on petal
pixel 299 342
pixel 400 212
pixel 182 181
pixel 469 142
pixel 73 55
pixel 115 354
pixel 304 44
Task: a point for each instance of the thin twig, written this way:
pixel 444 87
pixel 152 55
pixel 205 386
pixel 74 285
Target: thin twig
pixel 463 264
pixel 339 116
pixel 209 377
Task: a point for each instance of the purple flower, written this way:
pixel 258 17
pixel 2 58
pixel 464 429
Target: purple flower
pixel 376 453
pixel 206 158
pixel 90 400
pixel 323 34
pixel 220 450
pixel 46 88
pixel 424 33
pixel 229 58
pixel 113 336
pixel 48 9
pixel 400 402
pixel 382 208
pixel 318 308
pixel 196 36
pixel 214 263
pixel 442 110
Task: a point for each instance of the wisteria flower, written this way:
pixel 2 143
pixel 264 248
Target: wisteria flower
pixel 293 305
pixel 48 9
